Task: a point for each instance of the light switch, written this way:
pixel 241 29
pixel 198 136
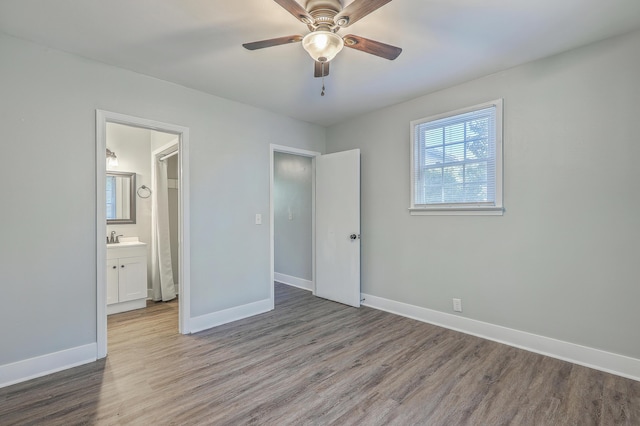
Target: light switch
pixel 258 219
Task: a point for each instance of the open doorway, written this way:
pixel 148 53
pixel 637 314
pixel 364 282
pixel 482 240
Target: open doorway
pixel 147 150
pixel 335 230
pixel 292 213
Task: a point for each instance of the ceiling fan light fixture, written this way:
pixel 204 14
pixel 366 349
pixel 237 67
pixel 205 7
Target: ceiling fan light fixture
pixel 322 45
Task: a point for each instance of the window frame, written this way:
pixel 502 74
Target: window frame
pixel 495 208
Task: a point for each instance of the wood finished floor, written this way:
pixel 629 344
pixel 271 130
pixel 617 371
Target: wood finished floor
pixel 316 362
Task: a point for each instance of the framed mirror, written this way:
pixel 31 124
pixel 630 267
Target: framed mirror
pixel 121 197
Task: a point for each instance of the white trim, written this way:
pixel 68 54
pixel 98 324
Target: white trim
pixel 293 281
pixel 184 236
pixel 184 254
pixel 456 211
pixel 129 305
pixel 582 355
pixel 101 232
pixel 39 366
pixel 273 148
pixel 214 319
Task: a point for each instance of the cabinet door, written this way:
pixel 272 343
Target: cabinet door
pixel 133 278
pixel 112 281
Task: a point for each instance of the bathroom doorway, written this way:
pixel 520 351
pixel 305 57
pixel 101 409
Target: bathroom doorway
pixel 145 149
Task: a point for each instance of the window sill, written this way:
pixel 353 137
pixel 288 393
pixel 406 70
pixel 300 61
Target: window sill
pixel 456 211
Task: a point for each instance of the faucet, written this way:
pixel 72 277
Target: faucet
pixel 115 239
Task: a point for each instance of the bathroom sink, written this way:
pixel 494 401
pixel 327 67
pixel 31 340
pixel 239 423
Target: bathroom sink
pixel 127 242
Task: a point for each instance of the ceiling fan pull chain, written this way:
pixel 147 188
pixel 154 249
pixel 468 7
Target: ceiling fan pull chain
pixel 322 93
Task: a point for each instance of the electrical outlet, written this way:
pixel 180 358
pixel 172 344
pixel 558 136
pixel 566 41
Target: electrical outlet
pixel 258 219
pixel 457 305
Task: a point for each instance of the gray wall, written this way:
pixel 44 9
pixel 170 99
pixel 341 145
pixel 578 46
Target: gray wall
pixel 562 261
pixel 292 215
pixel 47 259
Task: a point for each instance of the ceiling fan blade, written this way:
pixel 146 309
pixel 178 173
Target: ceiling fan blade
pixel 272 42
pixel 317 69
pixel 371 46
pixel 358 10
pixel 294 8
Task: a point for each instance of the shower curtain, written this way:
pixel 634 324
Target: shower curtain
pixel 162 274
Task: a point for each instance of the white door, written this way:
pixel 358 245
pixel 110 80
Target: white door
pixel 338 227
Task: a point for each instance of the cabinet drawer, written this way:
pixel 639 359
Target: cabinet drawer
pixel 119 252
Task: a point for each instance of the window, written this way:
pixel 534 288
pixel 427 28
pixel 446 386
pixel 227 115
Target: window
pixel 456 162
pixel 111 197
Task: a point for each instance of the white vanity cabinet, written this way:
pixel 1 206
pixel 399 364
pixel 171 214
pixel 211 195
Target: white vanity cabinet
pixel 126 277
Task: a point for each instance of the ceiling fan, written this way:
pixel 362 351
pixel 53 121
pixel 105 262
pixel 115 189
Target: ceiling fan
pixel 325 18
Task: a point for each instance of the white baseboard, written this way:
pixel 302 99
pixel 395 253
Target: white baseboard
pixel 214 319
pixel 589 357
pixel 28 369
pixel 129 305
pixel 293 281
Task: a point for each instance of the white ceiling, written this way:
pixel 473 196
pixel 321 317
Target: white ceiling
pixel 197 43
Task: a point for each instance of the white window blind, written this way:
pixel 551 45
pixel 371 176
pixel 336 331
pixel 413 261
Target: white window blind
pixel 456 163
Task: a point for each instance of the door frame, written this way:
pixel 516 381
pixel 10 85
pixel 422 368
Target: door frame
pixel 184 255
pixel 273 148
